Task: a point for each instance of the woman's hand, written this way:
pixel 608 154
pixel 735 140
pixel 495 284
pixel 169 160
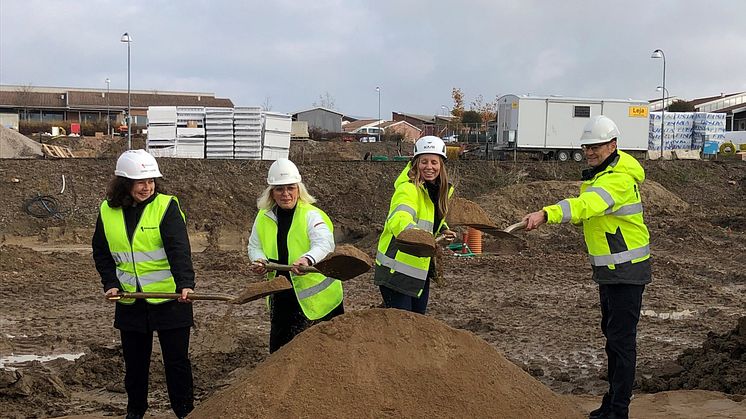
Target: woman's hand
pixel 184 298
pixel 111 292
pixel 303 261
pixel 258 267
pixel 450 235
pixel 534 220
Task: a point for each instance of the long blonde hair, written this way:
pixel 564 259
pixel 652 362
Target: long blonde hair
pixel 416 178
pixel 266 202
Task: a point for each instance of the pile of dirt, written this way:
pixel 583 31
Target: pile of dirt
pixel 386 363
pixel 14 145
pixel 718 365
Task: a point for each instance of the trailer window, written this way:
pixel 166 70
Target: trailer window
pixel 582 111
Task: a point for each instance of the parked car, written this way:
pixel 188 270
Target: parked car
pixel 450 138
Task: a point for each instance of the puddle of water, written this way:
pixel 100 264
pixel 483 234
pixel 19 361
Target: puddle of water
pixel 672 315
pixel 19 359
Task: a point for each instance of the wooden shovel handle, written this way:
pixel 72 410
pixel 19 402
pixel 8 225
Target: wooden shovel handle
pixel 277 267
pixel 517 226
pixel 173 296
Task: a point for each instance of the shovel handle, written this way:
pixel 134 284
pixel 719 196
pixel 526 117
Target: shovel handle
pixel 277 267
pixel 517 226
pixel 173 296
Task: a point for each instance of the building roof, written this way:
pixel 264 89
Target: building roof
pixel 388 124
pixel 51 97
pixel 318 108
pixel 352 126
pixel 702 100
pixel 424 118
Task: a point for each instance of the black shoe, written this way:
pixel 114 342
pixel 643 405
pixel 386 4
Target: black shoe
pixel 615 414
pixel 131 415
pixel 603 410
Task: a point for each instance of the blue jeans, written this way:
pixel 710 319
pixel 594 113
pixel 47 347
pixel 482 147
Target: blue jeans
pixel 395 299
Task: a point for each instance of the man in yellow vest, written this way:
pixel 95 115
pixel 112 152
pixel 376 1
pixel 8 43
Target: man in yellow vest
pixel 290 230
pixel 141 244
pixel 610 209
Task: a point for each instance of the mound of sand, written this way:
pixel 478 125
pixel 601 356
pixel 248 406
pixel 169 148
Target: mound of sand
pixel 386 364
pixel 14 145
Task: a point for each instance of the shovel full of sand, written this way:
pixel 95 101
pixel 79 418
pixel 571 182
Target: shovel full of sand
pixel 345 262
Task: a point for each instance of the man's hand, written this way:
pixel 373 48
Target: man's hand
pixel 535 219
pixel 183 298
pixel 303 261
pixel 258 267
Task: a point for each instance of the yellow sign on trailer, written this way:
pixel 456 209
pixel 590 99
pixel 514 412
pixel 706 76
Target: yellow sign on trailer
pixel 638 111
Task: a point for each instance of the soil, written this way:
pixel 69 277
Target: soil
pixel 386 364
pixel 537 307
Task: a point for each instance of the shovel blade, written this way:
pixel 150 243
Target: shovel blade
pixel 416 249
pixel 257 290
pixel 342 267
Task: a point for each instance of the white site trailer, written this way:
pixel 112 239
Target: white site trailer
pixel 552 125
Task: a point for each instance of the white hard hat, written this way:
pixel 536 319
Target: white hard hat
pixel 137 164
pixel 430 144
pixel 600 129
pixel 283 172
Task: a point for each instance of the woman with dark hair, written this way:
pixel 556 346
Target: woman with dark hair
pixel 141 245
pixel 420 201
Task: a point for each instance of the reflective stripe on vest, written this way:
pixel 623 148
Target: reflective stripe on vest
pixel 621 257
pixel 402 267
pixel 603 194
pixel 317 294
pixel 624 210
pixel 422 224
pixel 142 263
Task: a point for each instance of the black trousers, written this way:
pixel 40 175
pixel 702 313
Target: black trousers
pixel 395 299
pixel 287 319
pixel 137 348
pixel 620 313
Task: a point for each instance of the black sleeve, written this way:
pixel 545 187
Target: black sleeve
pixel 105 264
pixel 176 243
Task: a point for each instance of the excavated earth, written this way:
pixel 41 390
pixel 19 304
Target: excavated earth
pixel 60 355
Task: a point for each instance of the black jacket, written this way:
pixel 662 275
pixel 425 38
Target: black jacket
pixel 141 316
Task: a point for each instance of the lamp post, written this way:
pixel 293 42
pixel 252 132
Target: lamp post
pixel 108 119
pixel 378 89
pixel 128 39
pixel 658 53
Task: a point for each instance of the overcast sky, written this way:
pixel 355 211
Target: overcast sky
pixel 293 51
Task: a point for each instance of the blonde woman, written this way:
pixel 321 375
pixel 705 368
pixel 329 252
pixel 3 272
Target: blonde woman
pixel 420 201
pixel 290 230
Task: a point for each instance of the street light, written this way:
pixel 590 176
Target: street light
pixel 378 89
pixel 658 53
pixel 128 39
pixel 108 119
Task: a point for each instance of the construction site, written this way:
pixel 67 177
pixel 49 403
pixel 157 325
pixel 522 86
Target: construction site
pixel 511 332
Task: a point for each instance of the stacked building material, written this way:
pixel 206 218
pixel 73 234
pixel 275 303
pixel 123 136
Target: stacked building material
pixel 219 133
pixel 247 132
pixel 161 139
pixel 190 132
pixel 276 135
pixel 707 127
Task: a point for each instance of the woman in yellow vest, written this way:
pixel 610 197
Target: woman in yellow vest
pixel 420 201
pixel 141 244
pixel 291 231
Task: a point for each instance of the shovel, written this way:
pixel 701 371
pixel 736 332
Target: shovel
pixel 494 231
pixel 253 291
pixel 420 245
pixel 467 213
pixel 346 262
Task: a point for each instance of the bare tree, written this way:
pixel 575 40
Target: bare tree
pixel 23 94
pixel 325 101
pixel 267 105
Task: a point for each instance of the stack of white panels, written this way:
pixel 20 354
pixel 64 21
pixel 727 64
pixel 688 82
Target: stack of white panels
pixel 276 135
pixel 247 132
pixel 219 133
pixel 161 140
pixel 708 127
pixel 190 132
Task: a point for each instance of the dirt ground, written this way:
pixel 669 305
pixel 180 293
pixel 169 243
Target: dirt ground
pixel 537 307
